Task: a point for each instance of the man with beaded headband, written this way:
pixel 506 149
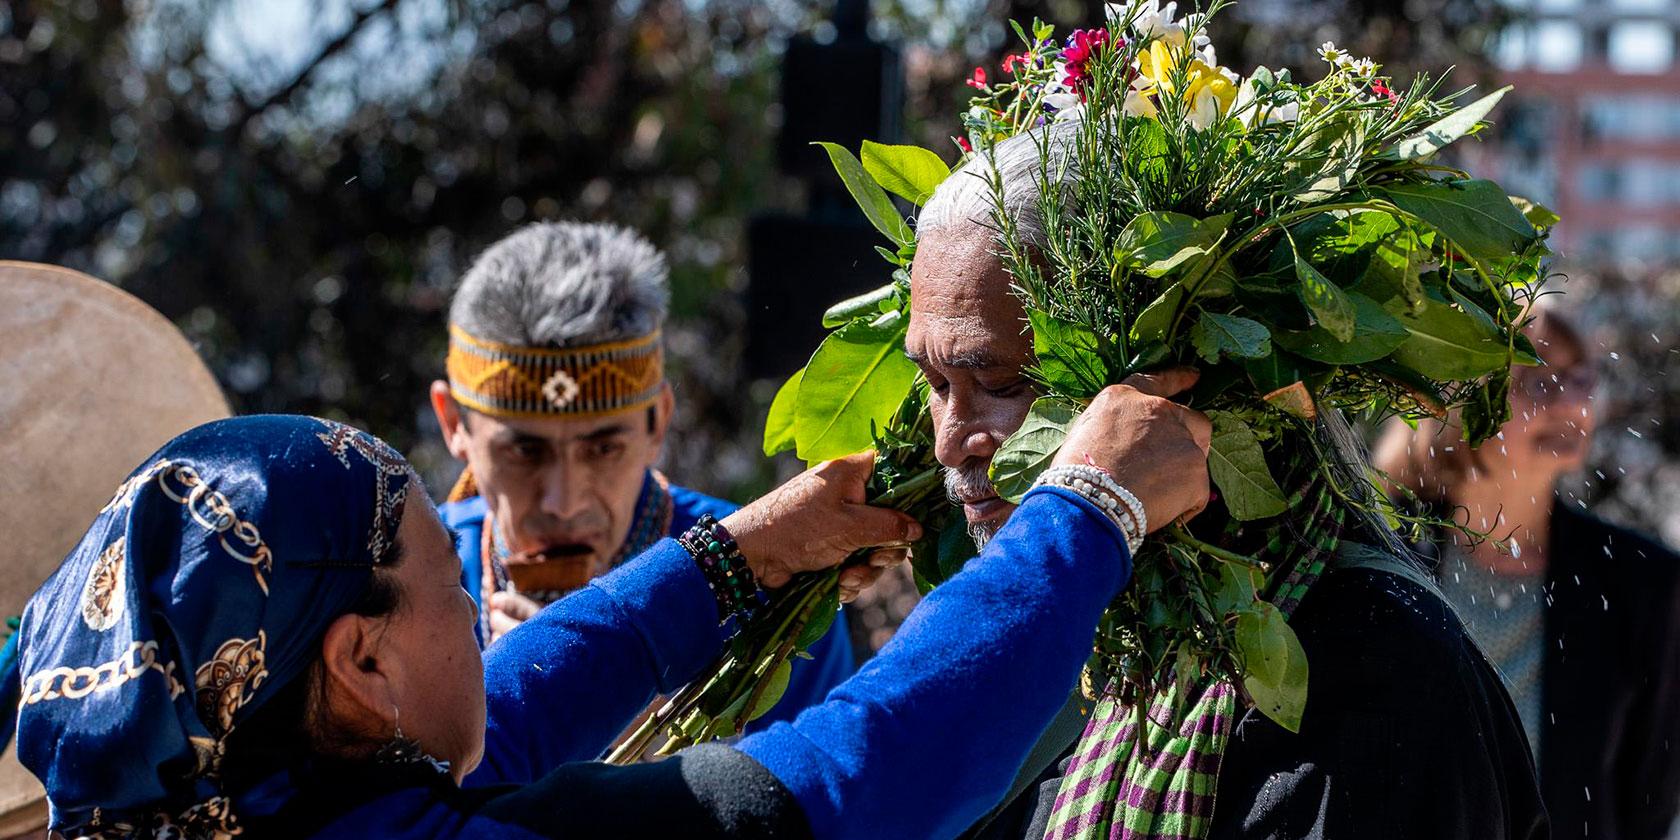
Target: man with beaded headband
pixel 557 402
pixel 1407 732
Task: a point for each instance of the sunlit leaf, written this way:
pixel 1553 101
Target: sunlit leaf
pixel 779 424
pixel 1450 128
pixel 1029 451
pixel 1274 664
pixel 853 384
pixel 911 172
pixel 870 198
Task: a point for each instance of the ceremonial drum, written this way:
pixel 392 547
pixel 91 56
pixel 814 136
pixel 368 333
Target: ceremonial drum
pixel 94 381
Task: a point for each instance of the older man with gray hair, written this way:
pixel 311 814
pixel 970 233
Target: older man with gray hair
pixel 557 402
pixel 1407 733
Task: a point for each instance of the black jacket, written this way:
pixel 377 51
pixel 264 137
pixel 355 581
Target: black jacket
pixel 1610 748
pixel 1408 734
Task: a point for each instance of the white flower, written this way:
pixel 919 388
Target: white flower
pixel 1331 53
pixel 1061 101
pixel 1252 113
pixel 1138 105
pixel 1363 67
pixel 1074 113
pixel 1204 110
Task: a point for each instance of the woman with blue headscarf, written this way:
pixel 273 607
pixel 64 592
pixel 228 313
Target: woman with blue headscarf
pixel 263 633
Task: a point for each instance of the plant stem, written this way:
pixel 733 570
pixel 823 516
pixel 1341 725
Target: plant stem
pixel 1182 536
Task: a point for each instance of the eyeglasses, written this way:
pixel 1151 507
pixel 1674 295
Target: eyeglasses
pixel 1547 385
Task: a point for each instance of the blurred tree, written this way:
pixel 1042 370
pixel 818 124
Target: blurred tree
pixel 302 202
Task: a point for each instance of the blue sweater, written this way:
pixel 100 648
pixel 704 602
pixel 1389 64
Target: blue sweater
pixel 921 742
pixel 831 656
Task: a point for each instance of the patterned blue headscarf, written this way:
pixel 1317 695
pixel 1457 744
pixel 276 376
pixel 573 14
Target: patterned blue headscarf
pixel 200 591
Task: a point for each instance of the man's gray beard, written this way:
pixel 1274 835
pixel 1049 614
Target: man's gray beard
pixel 971 481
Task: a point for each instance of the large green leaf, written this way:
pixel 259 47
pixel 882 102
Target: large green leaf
pixel 1238 587
pixel 772 690
pixel 779 423
pixel 869 196
pixel 1216 334
pixel 1476 215
pixel 1393 270
pixel 1342 245
pixel 1329 304
pixel 908 171
pixel 1238 468
pixel 1447 343
pixel 1030 450
pixel 1069 355
pixel 1450 128
pixel 1274 664
pixel 1375 335
pixel 1537 214
pixel 1159 242
pixel 1153 322
pixel 853 384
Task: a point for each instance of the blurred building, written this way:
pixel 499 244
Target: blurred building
pixel 1593 128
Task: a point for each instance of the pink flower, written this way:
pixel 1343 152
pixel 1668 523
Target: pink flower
pixel 1082 46
pixel 978 80
pixel 963 142
pixel 1009 61
pixel 1381 88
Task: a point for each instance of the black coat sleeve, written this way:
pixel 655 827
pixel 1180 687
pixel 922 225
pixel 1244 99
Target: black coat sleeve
pixel 709 791
pixel 1407 732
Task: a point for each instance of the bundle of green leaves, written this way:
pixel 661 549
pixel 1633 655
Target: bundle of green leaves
pixel 1296 242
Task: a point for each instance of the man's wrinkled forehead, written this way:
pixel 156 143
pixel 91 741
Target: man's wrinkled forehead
pixel 961 298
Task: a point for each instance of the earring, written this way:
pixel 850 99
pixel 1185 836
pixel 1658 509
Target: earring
pixel 401 751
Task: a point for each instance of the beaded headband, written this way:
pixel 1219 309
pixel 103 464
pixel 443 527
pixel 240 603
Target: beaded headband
pixel 504 380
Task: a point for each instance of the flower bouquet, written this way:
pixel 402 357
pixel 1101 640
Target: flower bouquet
pixel 1298 242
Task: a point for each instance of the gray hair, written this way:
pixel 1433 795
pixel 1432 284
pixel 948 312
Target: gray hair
pixel 968 195
pixel 564 284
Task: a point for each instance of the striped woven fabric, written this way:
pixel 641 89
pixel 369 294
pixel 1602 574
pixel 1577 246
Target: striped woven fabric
pixel 503 380
pixel 1141 777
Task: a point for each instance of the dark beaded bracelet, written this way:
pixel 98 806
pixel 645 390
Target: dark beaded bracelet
pixel 727 573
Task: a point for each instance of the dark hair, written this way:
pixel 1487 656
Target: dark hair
pixel 289 727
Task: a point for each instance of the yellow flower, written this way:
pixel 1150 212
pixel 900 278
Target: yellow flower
pixel 1209 90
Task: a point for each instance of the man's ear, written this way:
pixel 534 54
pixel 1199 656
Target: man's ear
pixel 663 409
pixel 359 690
pixel 450 419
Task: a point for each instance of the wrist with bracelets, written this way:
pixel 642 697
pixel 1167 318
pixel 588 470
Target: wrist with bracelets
pixel 1096 486
pixel 725 569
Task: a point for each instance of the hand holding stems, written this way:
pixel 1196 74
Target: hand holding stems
pixel 817 520
pixel 794 539
pixel 1151 445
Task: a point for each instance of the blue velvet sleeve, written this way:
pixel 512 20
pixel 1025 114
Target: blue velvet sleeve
pixel 928 735
pixel 562 685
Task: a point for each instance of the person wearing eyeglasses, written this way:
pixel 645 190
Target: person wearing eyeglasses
pixel 1581 617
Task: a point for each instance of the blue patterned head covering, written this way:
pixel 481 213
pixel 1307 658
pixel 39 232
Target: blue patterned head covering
pixel 200 591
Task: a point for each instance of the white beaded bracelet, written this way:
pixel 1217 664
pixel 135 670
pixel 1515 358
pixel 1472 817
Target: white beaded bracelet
pixel 1100 489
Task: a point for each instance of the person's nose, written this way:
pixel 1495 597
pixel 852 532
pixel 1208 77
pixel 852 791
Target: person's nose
pixel 961 435
pixel 565 491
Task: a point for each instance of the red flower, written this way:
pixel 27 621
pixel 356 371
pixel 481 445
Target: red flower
pixel 978 80
pixel 1381 88
pixel 1009 61
pixel 963 142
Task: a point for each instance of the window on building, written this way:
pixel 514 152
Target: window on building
pixel 1640 46
pixel 1558 46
